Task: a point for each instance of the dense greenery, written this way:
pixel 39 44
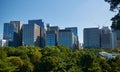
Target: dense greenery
pixel 55 59
pixel 115 6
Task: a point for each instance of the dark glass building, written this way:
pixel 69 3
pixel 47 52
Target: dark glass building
pixel 66 37
pixel 42 30
pixel 52 35
pixel 13 33
pixel 91 37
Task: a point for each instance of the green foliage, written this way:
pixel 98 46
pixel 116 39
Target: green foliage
pixel 15 61
pixel 56 59
pixel 6 67
pixel 3 54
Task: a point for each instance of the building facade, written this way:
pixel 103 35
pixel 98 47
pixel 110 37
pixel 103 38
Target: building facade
pixel 31 35
pixel 75 32
pixel 51 38
pixel 52 35
pixel 66 37
pixel 42 30
pixel 106 38
pixel 8 32
pixel 91 38
pixel 13 33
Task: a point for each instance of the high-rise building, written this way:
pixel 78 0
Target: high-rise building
pixel 51 38
pixel 91 38
pixel 38 22
pixel 17 33
pixel 74 29
pixel 75 32
pixel 42 30
pixel 13 33
pixel 31 35
pixel 52 35
pixel 117 38
pixel 66 37
pixel 106 38
pixel 8 32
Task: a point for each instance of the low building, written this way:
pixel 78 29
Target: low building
pixel 108 55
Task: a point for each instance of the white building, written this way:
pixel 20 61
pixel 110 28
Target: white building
pixel 108 55
pixel 3 43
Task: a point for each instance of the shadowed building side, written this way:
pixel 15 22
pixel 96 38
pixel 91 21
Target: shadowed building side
pixel 91 38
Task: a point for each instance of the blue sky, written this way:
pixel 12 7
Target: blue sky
pixel 64 13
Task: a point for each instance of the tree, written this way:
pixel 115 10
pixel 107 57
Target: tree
pixel 3 54
pixel 6 67
pixel 89 62
pixel 15 61
pixel 115 64
pixel 115 5
pixel 104 65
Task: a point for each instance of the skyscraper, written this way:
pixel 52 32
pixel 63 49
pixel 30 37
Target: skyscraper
pixel 91 38
pixel 17 32
pixel 13 33
pixel 51 38
pixel 38 22
pixel 66 37
pixel 8 32
pixel 75 32
pixel 31 35
pixel 42 30
pixel 117 38
pixel 52 35
pixel 74 29
pixel 106 38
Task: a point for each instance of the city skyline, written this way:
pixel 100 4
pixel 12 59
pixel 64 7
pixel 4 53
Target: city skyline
pixel 74 13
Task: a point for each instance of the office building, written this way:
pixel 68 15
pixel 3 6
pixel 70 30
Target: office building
pixel 8 32
pixel 3 43
pixel 74 29
pixel 52 35
pixel 13 33
pixel 51 38
pixel 91 38
pixel 31 35
pixel 66 37
pixel 38 22
pixel 42 30
pixel 75 32
pixel 106 38
pixel 52 28
pixel 117 38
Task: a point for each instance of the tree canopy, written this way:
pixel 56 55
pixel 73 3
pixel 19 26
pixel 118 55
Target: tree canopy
pixel 115 6
pixel 55 59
